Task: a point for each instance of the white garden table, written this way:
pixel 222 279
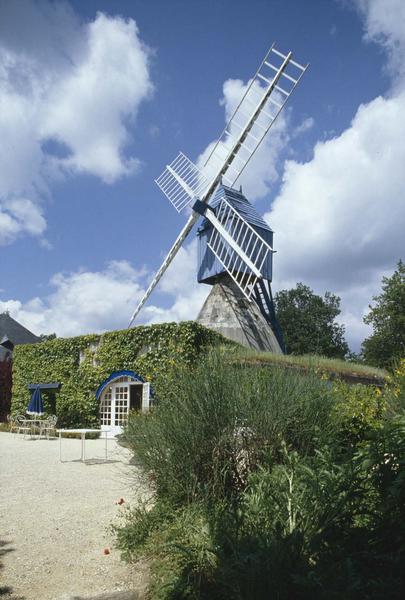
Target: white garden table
pixel 83 438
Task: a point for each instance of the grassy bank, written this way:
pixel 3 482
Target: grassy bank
pixel 328 366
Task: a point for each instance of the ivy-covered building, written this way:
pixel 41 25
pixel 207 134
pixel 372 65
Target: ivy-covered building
pixel 102 377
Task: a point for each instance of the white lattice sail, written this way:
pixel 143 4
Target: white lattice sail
pixel 181 181
pixel 238 246
pixel 263 100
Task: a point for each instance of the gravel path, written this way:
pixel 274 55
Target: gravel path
pixel 55 518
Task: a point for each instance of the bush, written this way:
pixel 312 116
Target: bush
pixel 179 541
pixel 357 410
pixel 216 422
pixel 396 387
pixel 269 483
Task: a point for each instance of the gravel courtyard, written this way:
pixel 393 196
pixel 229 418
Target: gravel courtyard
pixel 55 518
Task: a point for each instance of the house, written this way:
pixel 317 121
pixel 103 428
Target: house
pixel 15 332
pixel 12 333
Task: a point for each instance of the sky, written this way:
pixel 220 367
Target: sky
pixel 97 97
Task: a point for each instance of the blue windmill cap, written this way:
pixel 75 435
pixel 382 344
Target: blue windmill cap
pixel 241 204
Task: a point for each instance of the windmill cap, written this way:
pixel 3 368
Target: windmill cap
pixel 241 204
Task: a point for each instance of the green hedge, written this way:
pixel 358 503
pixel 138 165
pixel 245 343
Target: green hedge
pixel 81 363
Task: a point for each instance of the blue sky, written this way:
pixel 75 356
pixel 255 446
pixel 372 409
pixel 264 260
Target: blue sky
pixel 97 97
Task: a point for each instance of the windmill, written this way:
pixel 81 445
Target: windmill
pixel 242 250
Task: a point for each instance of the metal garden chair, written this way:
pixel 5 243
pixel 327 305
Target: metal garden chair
pixel 12 423
pixel 23 426
pixel 49 426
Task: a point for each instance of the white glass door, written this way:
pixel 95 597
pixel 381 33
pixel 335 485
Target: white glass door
pixel 114 407
pixel 119 408
pixel 105 409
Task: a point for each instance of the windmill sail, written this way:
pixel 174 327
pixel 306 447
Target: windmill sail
pixel 265 97
pixel 183 182
pixel 170 256
pixel 238 247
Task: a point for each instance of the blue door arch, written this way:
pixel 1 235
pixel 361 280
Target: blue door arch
pixel 117 395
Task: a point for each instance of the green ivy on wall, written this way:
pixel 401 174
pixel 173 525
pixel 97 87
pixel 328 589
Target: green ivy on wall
pixel 81 363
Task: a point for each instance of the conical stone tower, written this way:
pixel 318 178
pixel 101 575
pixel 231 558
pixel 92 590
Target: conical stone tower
pixel 227 311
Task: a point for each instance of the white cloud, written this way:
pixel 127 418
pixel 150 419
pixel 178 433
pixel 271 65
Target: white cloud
pixel 303 127
pixel 384 22
pixel 82 302
pixel 18 215
pixel 179 282
pixel 339 219
pixel 69 84
pixel 94 301
pixel 86 109
pixel 345 206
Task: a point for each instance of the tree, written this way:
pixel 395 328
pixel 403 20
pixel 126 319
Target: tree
pixel 45 337
pixel 387 342
pixel 308 322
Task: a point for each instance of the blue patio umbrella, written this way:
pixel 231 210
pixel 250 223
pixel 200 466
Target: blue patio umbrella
pixel 36 405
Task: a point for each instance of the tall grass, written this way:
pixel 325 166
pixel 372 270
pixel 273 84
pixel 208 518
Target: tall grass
pixel 215 424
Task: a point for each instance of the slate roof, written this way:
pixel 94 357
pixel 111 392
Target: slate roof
pixel 241 204
pixel 15 332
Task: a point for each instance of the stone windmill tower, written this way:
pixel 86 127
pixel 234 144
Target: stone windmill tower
pixel 226 310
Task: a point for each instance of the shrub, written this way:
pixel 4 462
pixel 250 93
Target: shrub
pixel 270 484
pixel 357 409
pixel 308 527
pixel 216 422
pixel 180 544
pixel 396 387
